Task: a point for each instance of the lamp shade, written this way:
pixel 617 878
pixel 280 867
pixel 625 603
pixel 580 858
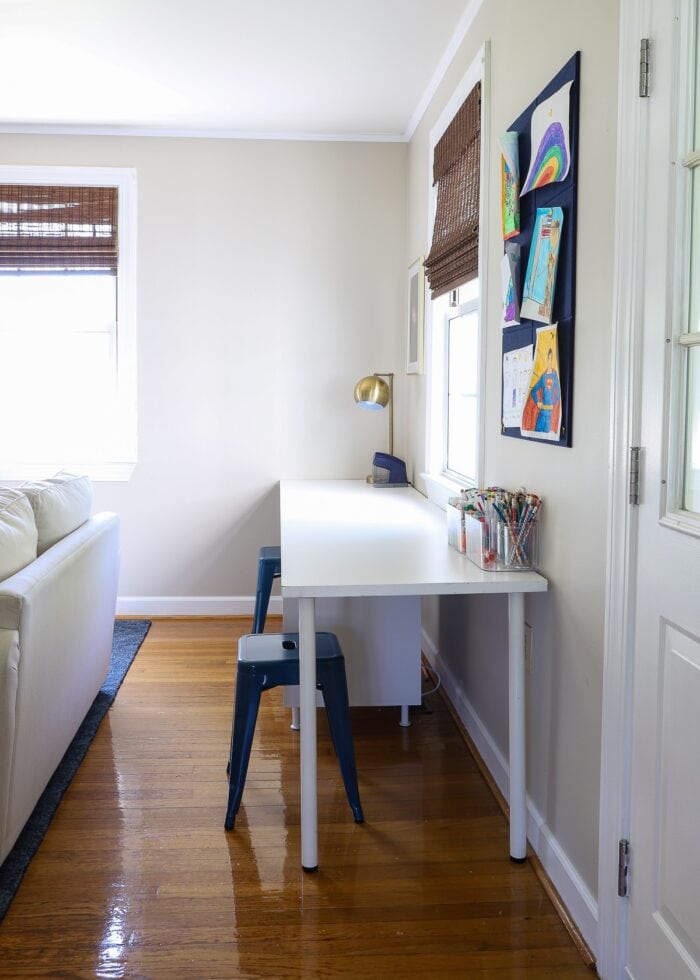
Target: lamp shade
pixel 372 392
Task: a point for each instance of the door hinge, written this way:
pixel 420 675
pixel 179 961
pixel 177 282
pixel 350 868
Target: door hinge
pixel 623 868
pixel 644 68
pixel 635 452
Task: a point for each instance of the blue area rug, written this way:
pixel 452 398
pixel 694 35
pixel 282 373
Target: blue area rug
pixel 128 637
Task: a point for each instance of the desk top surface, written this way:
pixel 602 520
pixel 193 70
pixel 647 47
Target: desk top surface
pixel 347 538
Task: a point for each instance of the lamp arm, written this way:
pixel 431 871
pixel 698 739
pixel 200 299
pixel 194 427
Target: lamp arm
pixel 390 376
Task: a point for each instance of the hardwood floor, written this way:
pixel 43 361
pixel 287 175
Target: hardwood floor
pixel 137 877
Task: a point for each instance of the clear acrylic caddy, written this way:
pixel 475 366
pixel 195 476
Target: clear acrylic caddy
pixel 494 546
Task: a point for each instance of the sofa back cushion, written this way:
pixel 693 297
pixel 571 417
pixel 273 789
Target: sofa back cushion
pixel 18 532
pixel 60 504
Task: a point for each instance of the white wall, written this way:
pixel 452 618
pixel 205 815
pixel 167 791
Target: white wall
pixel 271 276
pixel 529 43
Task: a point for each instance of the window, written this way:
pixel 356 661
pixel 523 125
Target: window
pixel 455 314
pixel 67 325
pixel 682 504
pixel 462 409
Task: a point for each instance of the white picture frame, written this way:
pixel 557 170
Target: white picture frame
pixel 415 317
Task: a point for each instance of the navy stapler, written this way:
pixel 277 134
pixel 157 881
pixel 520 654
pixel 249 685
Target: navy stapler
pixel 388 471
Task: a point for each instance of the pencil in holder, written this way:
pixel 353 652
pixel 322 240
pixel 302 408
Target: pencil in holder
pixel 517 545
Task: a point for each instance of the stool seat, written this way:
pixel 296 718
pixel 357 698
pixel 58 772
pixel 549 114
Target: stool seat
pixel 283 649
pixel 269 568
pixel 273 553
pixel 266 661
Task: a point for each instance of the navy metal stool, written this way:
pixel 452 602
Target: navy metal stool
pixel 266 661
pixel 269 568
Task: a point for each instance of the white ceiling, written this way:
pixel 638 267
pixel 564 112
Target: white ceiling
pixel 331 68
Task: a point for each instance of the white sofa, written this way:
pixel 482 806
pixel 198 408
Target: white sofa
pixel 58 587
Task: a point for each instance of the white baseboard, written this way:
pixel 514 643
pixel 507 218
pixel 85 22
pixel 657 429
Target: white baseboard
pixel 574 893
pixel 184 605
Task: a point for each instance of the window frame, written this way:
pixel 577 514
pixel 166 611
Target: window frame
pixel 440 482
pixel 125 448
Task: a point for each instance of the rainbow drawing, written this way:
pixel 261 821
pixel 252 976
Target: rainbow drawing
pixel 552 159
pixel 549 136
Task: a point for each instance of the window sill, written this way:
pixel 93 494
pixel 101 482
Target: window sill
pixel 98 472
pixel 440 488
pixel 684 521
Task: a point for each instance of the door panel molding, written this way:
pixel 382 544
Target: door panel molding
pixel 674 892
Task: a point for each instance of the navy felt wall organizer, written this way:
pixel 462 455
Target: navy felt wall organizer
pixel 560 194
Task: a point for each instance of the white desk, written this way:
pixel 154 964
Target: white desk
pixel 347 538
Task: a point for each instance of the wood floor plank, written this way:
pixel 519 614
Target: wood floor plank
pixel 137 877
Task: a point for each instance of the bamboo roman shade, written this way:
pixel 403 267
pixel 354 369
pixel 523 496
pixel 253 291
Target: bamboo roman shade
pixel 454 253
pixel 58 229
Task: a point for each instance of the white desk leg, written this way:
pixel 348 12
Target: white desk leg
pixel 307 712
pixel 516 725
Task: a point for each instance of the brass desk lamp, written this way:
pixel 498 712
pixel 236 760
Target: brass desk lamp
pixel 374 393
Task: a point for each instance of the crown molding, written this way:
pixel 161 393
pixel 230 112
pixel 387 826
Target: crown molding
pixel 39 129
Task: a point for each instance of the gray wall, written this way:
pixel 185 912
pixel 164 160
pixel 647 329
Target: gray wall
pixel 529 43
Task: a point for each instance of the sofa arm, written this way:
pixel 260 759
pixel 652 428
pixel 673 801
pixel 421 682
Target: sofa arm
pixel 23 588
pixel 61 610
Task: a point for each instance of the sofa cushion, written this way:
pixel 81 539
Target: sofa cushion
pixel 18 532
pixel 61 504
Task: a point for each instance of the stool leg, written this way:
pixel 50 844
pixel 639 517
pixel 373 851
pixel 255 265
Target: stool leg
pixel 335 695
pixel 248 690
pixel 266 575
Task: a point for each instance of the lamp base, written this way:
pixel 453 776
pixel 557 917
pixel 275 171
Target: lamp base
pixel 373 483
pixel 388 471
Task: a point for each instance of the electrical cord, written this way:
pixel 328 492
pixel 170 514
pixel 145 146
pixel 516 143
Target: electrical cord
pixel 430 672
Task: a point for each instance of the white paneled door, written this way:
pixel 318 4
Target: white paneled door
pixel 663 924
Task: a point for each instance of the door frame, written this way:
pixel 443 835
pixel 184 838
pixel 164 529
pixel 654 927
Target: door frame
pixel 622 531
